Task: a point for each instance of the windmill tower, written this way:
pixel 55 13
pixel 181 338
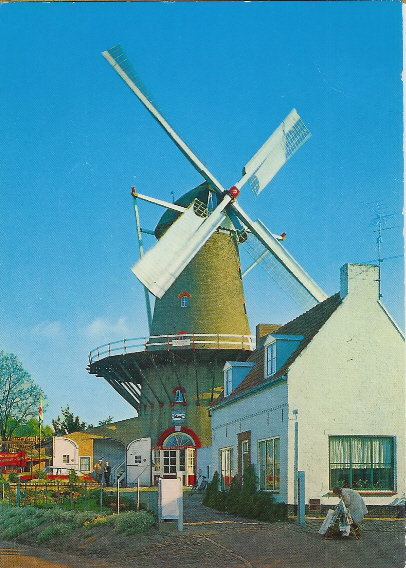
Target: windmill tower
pixel 201 300
pixel 200 319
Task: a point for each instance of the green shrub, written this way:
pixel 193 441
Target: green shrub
pixel 73 476
pixel 52 531
pixel 97 521
pixel 210 496
pixel 249 481
pixel 13 477
pixel 244 500
pixel 133 522
pixel 16 529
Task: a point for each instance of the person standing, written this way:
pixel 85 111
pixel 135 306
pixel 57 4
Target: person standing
pixel 98 471
pixel 354 503
pixel 107 473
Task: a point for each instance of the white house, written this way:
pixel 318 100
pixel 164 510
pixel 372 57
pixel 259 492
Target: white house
pixel 325 395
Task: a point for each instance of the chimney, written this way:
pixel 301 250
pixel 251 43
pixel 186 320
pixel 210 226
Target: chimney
pixel 361 280
pixel 265 328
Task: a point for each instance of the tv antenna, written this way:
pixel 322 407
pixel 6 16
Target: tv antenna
pixel 380 221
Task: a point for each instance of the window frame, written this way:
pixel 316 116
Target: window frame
pixel 226 466
pixel 228 381
pixel 81 468
pixel 66 458
pixel 270 359
pixel 263 476
pixel 245 455
pixel 374 470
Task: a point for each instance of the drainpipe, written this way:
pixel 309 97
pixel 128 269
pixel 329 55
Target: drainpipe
pixel 296 458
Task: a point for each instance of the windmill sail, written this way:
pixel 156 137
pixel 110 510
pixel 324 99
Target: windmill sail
pixel 279 147
pixel 281 255
pixel 272 266
pixel 164 262
pixel 122 65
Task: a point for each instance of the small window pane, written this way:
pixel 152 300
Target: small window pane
pixel 84 463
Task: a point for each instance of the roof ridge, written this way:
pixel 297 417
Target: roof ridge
pixel 307 324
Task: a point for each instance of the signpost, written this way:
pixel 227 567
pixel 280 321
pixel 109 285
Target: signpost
pixel 170 500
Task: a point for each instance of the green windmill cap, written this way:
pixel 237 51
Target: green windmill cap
pixel 201 192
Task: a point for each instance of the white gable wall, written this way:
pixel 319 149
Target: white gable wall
pixel 65 447
pixel 348 381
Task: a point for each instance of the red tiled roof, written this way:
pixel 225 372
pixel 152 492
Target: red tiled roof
pixel 307 324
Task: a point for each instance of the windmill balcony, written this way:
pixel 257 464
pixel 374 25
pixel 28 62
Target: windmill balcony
pixel 187 341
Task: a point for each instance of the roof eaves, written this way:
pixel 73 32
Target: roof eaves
pixel 270 383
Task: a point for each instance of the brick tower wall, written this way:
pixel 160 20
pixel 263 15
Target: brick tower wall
pixel 214 287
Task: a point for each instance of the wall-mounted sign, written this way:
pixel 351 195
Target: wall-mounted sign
pixel 178 416
pixel 180 342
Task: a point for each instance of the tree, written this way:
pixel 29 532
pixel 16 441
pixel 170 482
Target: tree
pixel 19 395
pixel 31 428
pixel 68 423
pixel 106 421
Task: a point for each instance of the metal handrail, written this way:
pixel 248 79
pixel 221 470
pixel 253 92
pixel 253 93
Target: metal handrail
pixel 176 341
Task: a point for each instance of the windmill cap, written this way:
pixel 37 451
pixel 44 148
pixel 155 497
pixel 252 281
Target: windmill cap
pixel 201 192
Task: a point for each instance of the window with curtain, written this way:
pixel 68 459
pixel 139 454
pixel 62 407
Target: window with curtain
pixel 362 462
pixel 226 460
pixel 269 464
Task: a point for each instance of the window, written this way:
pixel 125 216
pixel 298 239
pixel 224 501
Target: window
pixel 269 464
pixel 184 299
pixel 170 461
pixel 178 439
pixel 179 397
pixel 226 459
pixel 65 458
pixel 271 359
pixel 362 462
pixel 245 456
pixel 84 463
pixel 157 460
pixel 228 381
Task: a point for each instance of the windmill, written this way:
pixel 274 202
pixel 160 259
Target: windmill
pixel 162 264
pixel 199 321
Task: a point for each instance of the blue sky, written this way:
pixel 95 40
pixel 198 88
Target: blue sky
pixel 74 139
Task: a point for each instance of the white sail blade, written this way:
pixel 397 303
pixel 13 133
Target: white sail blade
pixel 279 147
pixel 122 65
pixel 283 257
pixel 165 261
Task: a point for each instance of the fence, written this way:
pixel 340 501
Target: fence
pixel 70 495
pixel 173 342
pixel 83 496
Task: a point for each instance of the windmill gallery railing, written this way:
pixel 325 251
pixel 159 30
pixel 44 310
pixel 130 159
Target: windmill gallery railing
pixel 173 342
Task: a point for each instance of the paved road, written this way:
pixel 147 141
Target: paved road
pixel 218 540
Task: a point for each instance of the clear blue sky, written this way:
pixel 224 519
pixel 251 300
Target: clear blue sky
pixel 74 139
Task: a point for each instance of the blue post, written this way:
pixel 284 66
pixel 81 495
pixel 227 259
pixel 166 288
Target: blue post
pixel 18 495
pixel 301 497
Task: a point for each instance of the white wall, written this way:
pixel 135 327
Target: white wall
pixel 262 415
pixel 348 381
pixel 64 446
pixel 204 462
pixel 138 462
